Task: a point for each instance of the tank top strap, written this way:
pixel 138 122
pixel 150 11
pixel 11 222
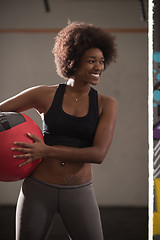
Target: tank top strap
pixel 58 97
pixel 94 109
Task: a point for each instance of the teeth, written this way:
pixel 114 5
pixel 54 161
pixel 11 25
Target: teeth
pixel 95 74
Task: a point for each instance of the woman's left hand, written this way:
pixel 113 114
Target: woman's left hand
pixel 32 151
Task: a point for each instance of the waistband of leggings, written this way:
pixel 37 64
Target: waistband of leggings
pixel 60 186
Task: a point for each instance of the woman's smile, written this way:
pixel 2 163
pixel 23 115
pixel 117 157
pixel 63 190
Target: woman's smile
pixel 91 66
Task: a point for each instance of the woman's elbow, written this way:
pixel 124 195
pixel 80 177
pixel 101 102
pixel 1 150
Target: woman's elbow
pixel 99 156
pixel 100 153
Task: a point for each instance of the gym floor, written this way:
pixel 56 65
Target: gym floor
pixel 118 223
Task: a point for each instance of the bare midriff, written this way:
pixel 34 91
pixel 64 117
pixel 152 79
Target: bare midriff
pixel 63 173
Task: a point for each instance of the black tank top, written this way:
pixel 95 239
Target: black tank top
pixel 60 128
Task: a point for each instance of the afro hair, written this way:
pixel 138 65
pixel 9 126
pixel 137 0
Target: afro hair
pixel 73 40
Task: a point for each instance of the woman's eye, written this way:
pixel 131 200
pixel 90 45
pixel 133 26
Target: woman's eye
pixel 90 61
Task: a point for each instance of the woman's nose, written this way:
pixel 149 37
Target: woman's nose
pixel 97 66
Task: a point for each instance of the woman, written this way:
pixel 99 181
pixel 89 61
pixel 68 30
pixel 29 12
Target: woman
pixel 78 126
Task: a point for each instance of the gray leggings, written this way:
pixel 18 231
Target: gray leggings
pixel 39 201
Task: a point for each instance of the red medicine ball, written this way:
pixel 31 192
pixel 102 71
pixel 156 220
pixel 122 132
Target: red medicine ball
pixel 14 128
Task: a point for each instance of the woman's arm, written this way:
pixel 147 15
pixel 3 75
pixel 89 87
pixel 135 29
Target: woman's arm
pixel 30 98
pixel 95 154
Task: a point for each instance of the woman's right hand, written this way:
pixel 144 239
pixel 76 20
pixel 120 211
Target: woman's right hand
pixel 31 151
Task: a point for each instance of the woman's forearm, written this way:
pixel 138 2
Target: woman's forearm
pixel 72 154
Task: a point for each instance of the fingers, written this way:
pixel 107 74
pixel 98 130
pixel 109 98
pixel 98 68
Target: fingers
pixel 34 137
pixel 27 150
pixel 26 162
pixel 22 144
pixel 23 150
pixel 28 145
pixel 22 156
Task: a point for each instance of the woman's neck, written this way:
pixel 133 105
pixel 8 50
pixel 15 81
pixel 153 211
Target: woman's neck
pixel 78 87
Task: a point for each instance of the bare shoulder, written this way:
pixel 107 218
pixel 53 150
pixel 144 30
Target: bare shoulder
pixel 106 103
pixel 44 96
pixel 42 89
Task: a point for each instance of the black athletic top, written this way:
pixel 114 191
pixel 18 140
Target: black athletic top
pixel 61 128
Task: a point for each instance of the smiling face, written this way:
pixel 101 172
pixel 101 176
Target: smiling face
pixel 91 66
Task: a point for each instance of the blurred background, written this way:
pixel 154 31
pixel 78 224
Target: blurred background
pixel 27 32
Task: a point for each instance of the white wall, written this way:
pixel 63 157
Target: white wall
pixel 26 61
